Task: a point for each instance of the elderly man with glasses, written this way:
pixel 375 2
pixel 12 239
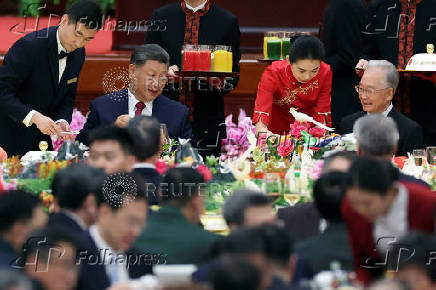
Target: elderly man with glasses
pixel 376 91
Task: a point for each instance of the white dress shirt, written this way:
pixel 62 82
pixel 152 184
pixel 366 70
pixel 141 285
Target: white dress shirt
pixel 387 111
pixel 109 257
pixel 147 111
pixel 195 9
pixel 62 64
pixel 394 224
pixel 144 165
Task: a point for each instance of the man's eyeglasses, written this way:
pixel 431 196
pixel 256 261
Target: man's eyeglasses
pixel 369 91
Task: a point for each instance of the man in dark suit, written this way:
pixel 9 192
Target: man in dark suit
pixel 145 132
pixel 148 74
pixel 343 22
pixel 38 79
pixel 174 230
pixel 377 209
pixel 20 214
pixel 75 189
pixel 377 136
pixel 328 193
pixel 198 22
pixel 376 90
pixel 109 257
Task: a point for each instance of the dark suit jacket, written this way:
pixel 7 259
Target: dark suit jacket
pixel 420 216
pixel 93 275
pixel 335 239
pixel 169 233
pixel 150 175
pixel 107 108
pixel 410 132
pixel 292 217
pixel 217 27
pixel 343 22
pixel 29 80
pixel 7 255
pixel 65 223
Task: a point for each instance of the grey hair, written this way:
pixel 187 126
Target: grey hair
pixel 391 73
pixel 146 52
pixel 235 206
pixel 376 134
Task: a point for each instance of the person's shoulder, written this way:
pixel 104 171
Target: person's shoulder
pixel 222 13
pixel 36 39
pixel 352 118
pixel 324 69
pixel 168 9
pixel 403 119
pixel 171 103
pixel 375 4
pixel 114 97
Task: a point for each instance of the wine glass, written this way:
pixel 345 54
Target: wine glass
pixel 165 139
pixel 293 195
pixel 431 155
pixel 272 185
pixel 419 156
pixel 43 146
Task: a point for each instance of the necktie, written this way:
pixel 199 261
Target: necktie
pixel 62 54
pixel 139 107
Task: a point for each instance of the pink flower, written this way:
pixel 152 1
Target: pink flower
pixel 316 131
pixel 204 170
pixel 285 148
pixel 161 167
pixel 296 129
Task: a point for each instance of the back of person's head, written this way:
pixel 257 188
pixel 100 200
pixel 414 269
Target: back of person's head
pixel 180 186
pixel 418 256
pixel 243 242
pixel 146 52
pixel 85 12
pixel 306 47
pixel 279 245
pixel 235 206
pixel 16 206
pixel 338 161
pixel 73 184
pixel 372 175
pixel 145 132
pixel 113 133
pixel 376 135
pixel 328 193
pixel 235 274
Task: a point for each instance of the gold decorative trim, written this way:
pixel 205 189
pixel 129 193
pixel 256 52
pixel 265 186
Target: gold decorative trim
pixel 291 96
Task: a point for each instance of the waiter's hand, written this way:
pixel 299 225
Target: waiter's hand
pixel 65 127
pixel 361 67
pixel 172 70
pixel 122 121
pixel 262 128
pixel 45 124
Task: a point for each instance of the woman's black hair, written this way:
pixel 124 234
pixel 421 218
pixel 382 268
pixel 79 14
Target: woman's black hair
pixel 306 47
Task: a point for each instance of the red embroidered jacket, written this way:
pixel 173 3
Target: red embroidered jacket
pixel 278 91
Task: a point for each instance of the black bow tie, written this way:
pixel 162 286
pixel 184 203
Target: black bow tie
pixel 62 54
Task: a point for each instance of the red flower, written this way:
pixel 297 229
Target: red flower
pixel 316 131
pixel 296 129
pixel 161 167
pixel 285 148
pixel 204 170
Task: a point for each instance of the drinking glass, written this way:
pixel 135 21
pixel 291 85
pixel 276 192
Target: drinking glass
pixel 223 58
pixel 272 185
pixel 204 56
pixel 431 155
pixel 165 139
pixel 286 43
pixel 419 156
pixel 274 46
pixel 266 36
pixel 189 56
pixel 43 146
pixel 293 195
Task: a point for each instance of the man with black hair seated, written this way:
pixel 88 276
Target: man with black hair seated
pixel 376 206
pixel 328 192
pixel 111 149
pixel 174 229
pixel 145 132
pixel 49 258
pixel 235 274
pixel 38 79
pixel 20 213
pixel 122 215
pixel 148 75
pixel 76 190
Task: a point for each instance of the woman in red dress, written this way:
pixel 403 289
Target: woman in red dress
pixel 302 81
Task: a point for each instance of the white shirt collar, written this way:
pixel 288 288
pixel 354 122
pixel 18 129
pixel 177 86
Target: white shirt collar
pixel 108 256
pixel 74 217
pixel 148 110
pixel 395 222
pixel 387 111
pixel 144 165
pixel 195 9
pixel 60 46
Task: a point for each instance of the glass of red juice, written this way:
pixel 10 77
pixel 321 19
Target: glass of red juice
pixel 189 54
pixel 203 60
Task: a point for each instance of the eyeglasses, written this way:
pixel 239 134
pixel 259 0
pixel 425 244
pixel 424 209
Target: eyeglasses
pixel 369 91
